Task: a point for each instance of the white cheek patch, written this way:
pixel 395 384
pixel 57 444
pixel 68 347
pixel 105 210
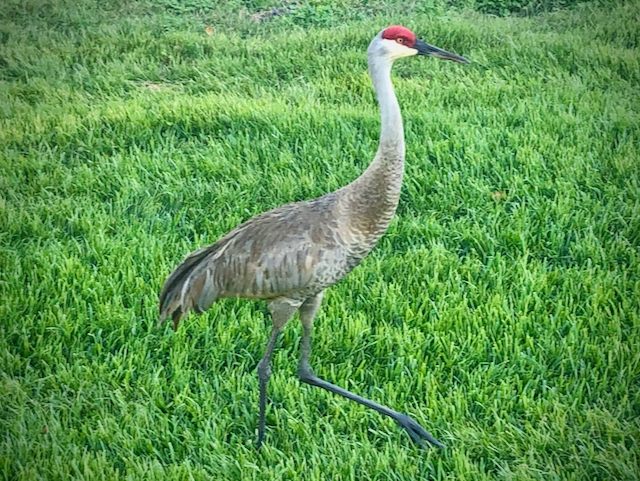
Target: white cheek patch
pixel 396 50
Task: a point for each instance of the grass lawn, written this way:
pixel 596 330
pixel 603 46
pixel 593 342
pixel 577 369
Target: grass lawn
pixel 501 309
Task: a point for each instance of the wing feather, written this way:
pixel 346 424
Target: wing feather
pixel 271 255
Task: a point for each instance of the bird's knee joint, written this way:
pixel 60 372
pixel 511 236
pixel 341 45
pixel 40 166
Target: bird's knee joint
pixel 305 373
pixel 264 371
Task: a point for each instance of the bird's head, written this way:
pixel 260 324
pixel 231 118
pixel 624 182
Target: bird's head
pixel 398 41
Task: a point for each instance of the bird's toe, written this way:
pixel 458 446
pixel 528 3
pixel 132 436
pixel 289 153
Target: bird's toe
pixel 417 432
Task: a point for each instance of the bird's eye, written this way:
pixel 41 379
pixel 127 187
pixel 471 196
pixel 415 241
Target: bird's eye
pixel 400 40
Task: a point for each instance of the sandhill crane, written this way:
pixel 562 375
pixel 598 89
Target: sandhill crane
pixel 290 255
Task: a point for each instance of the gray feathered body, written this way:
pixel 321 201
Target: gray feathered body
pixel 297 250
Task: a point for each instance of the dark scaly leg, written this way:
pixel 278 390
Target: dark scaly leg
pixel 282 309
pixel 305 373
pixel 264 373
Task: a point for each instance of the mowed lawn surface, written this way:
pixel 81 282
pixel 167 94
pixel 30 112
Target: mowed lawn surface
pixel 501 310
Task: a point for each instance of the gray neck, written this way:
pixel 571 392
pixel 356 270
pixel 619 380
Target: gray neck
pixel 371 199
pixel 391 131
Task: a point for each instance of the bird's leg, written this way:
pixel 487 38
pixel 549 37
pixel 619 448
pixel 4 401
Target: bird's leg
pixel 264 373
pixel 282 309
pixel 305 373
pixel 308 312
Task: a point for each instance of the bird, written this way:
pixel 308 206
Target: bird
pixel 288 256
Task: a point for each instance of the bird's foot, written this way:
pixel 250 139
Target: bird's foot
pixel 417 432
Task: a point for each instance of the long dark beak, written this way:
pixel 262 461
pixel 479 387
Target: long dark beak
pixel 424 48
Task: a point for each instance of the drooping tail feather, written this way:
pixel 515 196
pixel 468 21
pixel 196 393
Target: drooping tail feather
pixel 183 288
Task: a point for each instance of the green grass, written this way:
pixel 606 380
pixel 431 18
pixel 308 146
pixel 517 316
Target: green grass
pixel 507 324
